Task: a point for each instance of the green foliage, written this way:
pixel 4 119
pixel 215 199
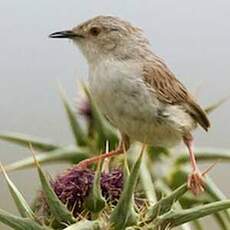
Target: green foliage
pixel 124 213
pixel 57 208
pixel 149 199
pixel 73 154
pixel 23 208
pixel 147 183
pixel 165 204
pixel 24 140
pixel 95 201
pixel 19 223
pixel 79 134
pixel 176 218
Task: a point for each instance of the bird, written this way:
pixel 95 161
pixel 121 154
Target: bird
pixel 136 90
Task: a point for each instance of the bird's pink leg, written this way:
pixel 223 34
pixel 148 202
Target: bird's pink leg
pixel 195 180
pixel 87 162
pixel 122 147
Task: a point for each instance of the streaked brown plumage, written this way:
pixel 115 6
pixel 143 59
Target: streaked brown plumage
pixel 171 91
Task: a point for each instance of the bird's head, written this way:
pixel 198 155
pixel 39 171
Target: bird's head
pixel 105 35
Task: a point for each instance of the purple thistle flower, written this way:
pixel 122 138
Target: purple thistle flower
pixel 74 185
pixel 112 184
pixel 85 109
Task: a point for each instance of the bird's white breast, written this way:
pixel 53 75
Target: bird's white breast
pixel 124 98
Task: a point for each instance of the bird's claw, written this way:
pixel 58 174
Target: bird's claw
pixel 196 182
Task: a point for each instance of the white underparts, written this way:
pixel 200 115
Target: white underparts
pixel 124 98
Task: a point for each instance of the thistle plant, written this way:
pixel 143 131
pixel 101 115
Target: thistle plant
pixel 126 192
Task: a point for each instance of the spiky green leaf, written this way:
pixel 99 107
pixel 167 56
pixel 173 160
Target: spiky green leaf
pixel 216 194
pixel 124 214
pixel 57 208
pixel 147 183
pixel 95 201
pixel 162 187
pixel 165 204
pixel 24 140
pixel 22 206
pixel 71 154
pixel 126 170
pixel 221 220
pixel 176 218
pixel 78 132
pixel 19 223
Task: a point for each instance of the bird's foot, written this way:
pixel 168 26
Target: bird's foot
pixel 196 182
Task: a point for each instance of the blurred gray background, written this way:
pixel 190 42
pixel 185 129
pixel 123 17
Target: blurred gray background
pixel 192 36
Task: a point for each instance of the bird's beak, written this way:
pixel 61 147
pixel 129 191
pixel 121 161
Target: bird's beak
pixel 65 34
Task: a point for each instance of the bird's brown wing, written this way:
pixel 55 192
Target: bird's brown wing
pixel 169 90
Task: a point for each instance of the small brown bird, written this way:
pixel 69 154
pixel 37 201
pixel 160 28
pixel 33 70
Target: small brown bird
pixel 136 90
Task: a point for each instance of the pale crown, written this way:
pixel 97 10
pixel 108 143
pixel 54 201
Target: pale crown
pixel 107 36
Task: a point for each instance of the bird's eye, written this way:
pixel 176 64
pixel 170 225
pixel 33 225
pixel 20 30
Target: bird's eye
pixel 95 31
